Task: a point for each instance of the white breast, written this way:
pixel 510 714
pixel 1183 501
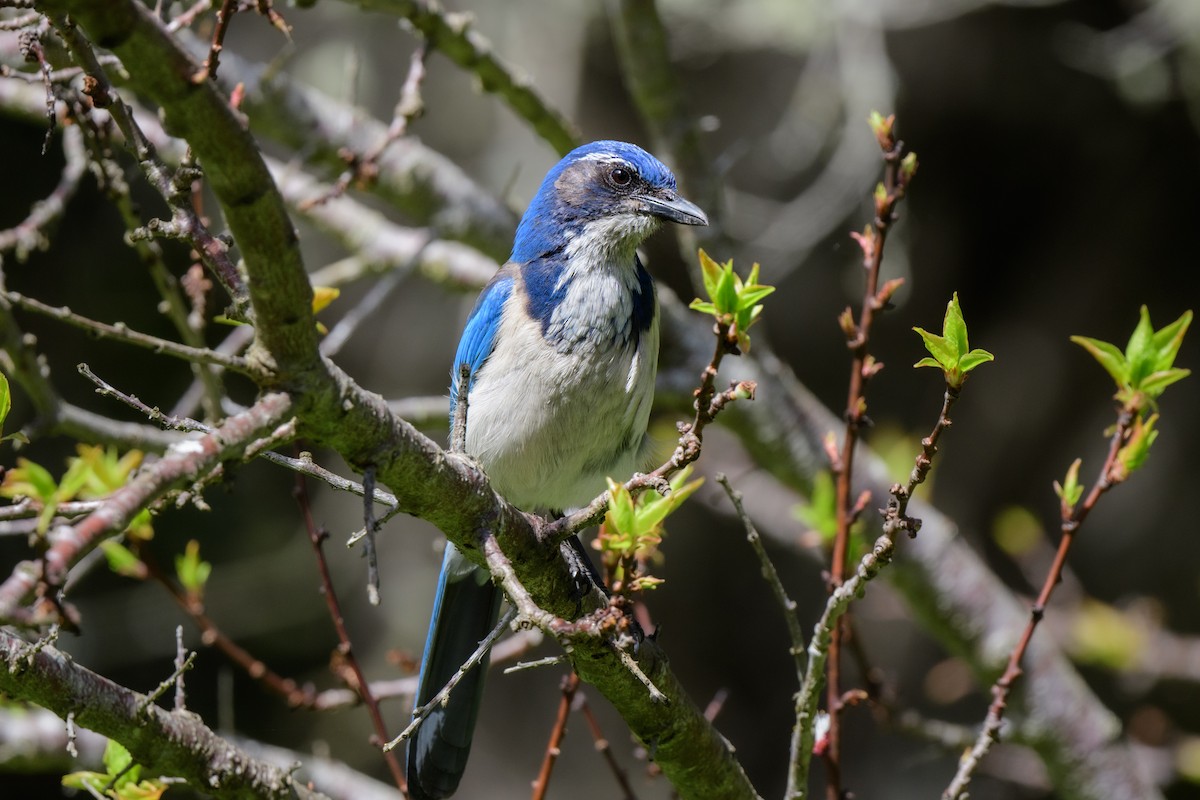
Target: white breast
pixel 548 424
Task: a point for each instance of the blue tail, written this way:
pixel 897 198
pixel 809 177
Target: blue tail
pixel 464 612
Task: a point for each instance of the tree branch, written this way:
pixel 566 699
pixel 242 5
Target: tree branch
pixel 452 35
pixel 172 743
pixel 183 462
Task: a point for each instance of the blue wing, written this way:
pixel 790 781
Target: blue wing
pixel 479 335
pixel 464 608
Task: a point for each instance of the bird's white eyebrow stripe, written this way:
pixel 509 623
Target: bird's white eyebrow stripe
pixel 605 157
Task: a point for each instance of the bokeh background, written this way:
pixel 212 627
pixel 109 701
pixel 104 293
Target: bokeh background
pixel 1059 190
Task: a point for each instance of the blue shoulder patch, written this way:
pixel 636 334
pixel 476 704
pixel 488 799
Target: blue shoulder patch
pixel 480 332
pixel 542 292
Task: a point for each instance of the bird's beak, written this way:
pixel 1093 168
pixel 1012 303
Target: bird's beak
pixel 671 206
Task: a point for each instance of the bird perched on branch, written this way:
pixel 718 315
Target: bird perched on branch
pixel 561 349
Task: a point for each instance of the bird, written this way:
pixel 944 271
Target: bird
pixel 560 354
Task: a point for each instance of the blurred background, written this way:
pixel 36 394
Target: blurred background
pixel 1059 145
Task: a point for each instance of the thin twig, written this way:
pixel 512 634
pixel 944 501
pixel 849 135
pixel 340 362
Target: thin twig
pixel 365 169
pixel 771 576
pixel 370 528
pixel 182 462
pixel 862 368
pixel 212 61
pixel 603 747
pixel 451 33
pixel 185 222
pixel 181 656
pixel 439 699
pixel 303 465
pixel 1072 519
pixel 212 636
pixel 30 233
pixel 168 682
pixel 820 649
pixel 121 332
pixel 317 537
pixel 557 733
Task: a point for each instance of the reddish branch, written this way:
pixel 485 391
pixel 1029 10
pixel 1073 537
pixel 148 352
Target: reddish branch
pixel 345 649
pixel 863 367
pixel 1072 519
pixel 557 734
pixel 181 464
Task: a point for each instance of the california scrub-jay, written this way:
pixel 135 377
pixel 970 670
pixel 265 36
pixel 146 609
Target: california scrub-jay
pixel 562 348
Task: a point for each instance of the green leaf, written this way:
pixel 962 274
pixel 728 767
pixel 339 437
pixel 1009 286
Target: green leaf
pixel 192 571
pixel 121 560
pixel 1111 358
pixel 726 299
pixel 711 271
pixel 973 359
pixel 1133 455
pixel 954 328
pixel 1166 341
pixel 928 362
pixel 29 479
pixel 734 302
pixel 942 350
pixel 5 400
pixel 1156 382
pixel 116 758
pixel 1070 490
pixel 1139 352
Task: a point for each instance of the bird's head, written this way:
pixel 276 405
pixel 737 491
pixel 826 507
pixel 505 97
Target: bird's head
pixel 613 191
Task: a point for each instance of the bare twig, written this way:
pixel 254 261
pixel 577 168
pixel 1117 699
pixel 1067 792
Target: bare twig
pixel 174 679
pixel 183 462
pixel 862 368
pixel 317 537
pixel 370 528
pixel 603 747
pixel 451 33
pixel 364 169
pixel 787 604
pixel 1072 519
pixel 557 733
pixel 185 223
pixel 121 332
pixel 439 699
pixel 820 647
pixel 29 234
pixel 224 17
pixel 176 742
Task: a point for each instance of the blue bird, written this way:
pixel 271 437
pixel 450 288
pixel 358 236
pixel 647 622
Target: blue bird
pixel 562 348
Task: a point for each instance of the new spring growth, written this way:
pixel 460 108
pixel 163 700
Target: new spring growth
pixel 951 352
pixel 733 302
pixel 633 529
pixel 1146 367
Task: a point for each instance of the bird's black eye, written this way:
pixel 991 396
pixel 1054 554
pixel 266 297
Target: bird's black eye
pixel 621 176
